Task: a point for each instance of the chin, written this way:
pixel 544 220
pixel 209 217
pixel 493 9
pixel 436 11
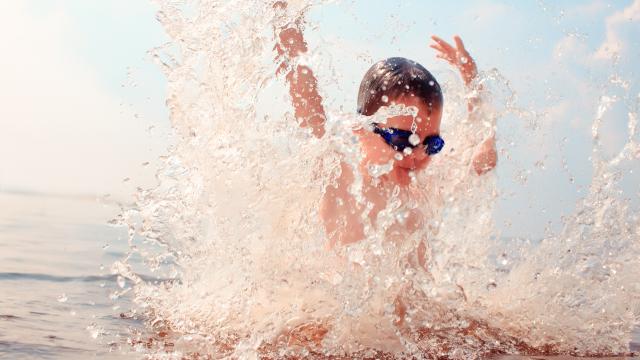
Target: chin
pixel 410 165
pixel 419 166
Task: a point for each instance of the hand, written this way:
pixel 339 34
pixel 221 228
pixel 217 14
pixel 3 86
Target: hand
pixel 458 57
pixel 291 42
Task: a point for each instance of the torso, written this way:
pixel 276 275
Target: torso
pixel 341 212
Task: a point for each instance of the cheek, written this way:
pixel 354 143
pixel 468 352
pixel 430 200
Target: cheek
pixel 423 163
pixel 377 153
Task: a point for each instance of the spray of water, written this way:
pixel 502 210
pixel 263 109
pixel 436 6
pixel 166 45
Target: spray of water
pixel 234 224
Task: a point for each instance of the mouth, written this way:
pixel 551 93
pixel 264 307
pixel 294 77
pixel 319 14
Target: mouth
pixel 409 166
pixel 415 165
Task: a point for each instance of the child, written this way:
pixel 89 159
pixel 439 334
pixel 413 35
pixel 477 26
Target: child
pixel 405 141
pixel 387 82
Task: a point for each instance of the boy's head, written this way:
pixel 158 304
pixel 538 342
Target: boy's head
pixel 400 81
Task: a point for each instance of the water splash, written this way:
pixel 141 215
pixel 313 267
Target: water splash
pixel 234 224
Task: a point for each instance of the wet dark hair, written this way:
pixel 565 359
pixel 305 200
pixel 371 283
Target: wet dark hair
pixel 392 78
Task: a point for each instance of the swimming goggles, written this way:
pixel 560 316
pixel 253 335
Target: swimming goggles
pixel 399 139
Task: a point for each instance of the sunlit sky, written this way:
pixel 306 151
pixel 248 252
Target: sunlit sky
pixel 78 95
pixel 83 106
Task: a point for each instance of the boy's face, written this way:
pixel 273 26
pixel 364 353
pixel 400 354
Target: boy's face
pixel 377 151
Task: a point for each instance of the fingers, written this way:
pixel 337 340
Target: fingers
pixel 445 45
pixel 438 48
pixel 446 58
pixel 443 52
pixel 447 54
pixel 448 47
pixel 439 40
pixel 459 43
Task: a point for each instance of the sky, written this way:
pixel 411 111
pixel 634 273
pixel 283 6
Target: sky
pixel 83 111
pixel 559 58
pixel 79 94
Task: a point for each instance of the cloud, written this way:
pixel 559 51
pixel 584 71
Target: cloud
pixel 60 130
pixel 571 48
pixel 622 30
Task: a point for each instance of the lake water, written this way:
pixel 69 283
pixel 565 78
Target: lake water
pixel 56 287
pixel 55 281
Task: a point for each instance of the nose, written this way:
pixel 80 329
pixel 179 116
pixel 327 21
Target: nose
pixel 420 157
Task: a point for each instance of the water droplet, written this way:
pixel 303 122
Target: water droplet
pixel 407 151
pixel 63 298
pixel 431 83
pixel 464 60
pixel 385 99
pixel 414 139
pixel 398 156
pixel 378 170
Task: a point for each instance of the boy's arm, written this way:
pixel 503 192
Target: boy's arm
pixel 340 212
pixel 303 85
pixel 485 156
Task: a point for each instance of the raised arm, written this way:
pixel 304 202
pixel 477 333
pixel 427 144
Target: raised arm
pixel 458 57
pixel 303 85
pixel 485 156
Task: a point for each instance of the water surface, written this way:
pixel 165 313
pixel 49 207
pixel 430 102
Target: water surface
pixel 55 280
